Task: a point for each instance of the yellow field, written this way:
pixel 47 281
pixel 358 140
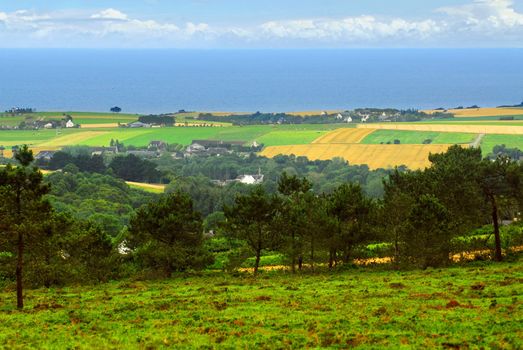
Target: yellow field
pixel 473 129
pixel 375 156
pixel 71 139
pixel 482 112
pixel 157 188
pixel 351 135
pixel 98 126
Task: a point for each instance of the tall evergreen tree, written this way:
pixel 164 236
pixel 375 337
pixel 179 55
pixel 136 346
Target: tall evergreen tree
pixel 251 219
pixel 22 208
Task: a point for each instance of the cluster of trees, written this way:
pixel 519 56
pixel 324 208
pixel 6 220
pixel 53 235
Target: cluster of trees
pixel 396 115
pixel 107 201
pixel 20 110
pixel 162 119
pixel 53 248
pixel 370 114
pixel 502 150
pixel 269 118
pixel 129 167
pixel 194 176
pixel 419 221
pixel 326 175
pixel 420 218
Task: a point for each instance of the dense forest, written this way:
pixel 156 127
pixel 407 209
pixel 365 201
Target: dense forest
pixel 88 226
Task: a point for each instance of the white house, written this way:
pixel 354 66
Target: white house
pixel 69 124
pixel 48 126
pixel 250 179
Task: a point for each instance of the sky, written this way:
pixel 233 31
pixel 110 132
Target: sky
pixel 261 24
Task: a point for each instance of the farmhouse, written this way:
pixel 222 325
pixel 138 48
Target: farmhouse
pixel 69 124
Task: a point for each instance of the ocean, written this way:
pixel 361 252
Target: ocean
pixel 156 81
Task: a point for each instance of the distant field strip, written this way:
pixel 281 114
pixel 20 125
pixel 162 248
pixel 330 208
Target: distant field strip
pixel 417 137
pixel 482 112
pixel 155 188
pixel 96 126
pixel 344 136
pixel 476 129
pixel 375 156
pixel 72 139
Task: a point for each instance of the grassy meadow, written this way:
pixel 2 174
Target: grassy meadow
pixel 477 305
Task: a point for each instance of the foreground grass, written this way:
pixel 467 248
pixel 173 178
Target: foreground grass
pixel 471 306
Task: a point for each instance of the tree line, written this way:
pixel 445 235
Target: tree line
pixel 128 167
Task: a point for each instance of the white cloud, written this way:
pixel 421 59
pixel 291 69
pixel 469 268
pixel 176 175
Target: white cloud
pixel 110 13
pixel 486 14
pixel 351 29
pixel 479 23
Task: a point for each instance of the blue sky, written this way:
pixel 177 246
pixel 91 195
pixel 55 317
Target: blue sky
pixel 261 23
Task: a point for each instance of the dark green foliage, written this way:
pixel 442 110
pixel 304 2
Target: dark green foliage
pixel 352 215
pixel 133 168
pixel 70 251
pixel 251 219
pixel 102 199
pixel 22 210
pixel 167 120
pixel 502 150
pixel 374 115
pixel 292 219
pixel 428 233
pixel 84 162
pixel 166 236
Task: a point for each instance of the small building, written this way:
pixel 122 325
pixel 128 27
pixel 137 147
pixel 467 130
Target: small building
pixel 138 125
pixel 69 124
pixel 158 145
pixel 251 179
pixel 45 155
pixel 195 148
pixel 100 151
pixel 48 126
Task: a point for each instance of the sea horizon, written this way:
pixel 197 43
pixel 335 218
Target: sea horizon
pixel 249 80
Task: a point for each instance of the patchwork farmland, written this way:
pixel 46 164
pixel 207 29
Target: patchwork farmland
pixel 380 145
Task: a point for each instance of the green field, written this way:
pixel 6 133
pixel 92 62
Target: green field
pixel 511 141
pixel 78 117
pixel 417 137
pixel 473 306
pixel 180 135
